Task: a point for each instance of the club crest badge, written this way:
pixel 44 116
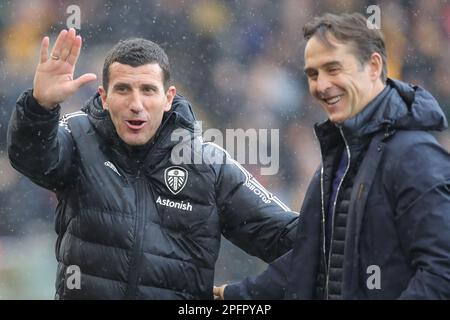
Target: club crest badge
pixel 175 178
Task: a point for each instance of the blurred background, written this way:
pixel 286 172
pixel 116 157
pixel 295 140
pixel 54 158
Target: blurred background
pixel 240 64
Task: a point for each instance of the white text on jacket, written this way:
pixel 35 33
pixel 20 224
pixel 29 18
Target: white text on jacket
pixel 174 204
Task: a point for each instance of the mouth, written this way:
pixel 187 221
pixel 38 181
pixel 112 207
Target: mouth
pixel 332 100
pixel 135 124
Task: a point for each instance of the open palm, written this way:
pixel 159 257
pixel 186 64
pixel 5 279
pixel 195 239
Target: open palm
pixel 53 80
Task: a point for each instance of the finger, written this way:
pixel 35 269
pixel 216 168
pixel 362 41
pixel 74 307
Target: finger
pixel 221 292
pixel 75 52
pixel 82 80
pixel 44 50
pixel 218 292
pixel 56 51
pixel 68 43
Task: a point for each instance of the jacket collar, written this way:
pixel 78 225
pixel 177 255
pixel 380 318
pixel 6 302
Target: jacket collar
pixel 398 106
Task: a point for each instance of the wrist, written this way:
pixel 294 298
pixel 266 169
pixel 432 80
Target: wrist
pixel 49 106
pixel 35 107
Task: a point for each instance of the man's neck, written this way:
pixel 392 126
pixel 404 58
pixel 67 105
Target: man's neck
pixel 379 86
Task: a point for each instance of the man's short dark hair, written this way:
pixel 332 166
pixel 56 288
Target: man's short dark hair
pixel 137 52
pixel 349 28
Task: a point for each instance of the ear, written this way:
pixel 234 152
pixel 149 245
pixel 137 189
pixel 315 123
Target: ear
pixel 102 93
pixel 376 66
pixel 170 94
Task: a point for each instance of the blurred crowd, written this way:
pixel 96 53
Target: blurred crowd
pixel 240 63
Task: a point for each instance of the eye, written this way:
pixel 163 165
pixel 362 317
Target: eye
pixel 121 89
pixel 312 76
pixel 149 90
pixel 333 70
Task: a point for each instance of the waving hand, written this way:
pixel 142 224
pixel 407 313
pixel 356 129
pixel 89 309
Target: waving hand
pixel 53 80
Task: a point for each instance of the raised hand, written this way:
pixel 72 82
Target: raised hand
pixel 53 80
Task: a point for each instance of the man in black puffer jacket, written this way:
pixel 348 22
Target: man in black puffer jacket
pixel 375 223
pixel 132 223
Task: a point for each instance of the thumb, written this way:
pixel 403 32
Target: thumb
pixel 85 78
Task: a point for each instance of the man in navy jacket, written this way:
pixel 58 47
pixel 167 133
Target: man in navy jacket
pixel 375 223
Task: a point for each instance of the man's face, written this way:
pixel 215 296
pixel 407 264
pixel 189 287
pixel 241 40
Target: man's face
pixel 337 79
pixel 136 101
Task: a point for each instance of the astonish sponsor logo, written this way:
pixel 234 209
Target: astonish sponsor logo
pixel 185 206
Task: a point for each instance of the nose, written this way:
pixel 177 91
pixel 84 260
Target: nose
pixel 323 84
pixel 136 105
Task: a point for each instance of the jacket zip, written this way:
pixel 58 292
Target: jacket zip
pixel 322 206
pixel 140 184
pixel 323 218
pixel 133 277
pixel 347 148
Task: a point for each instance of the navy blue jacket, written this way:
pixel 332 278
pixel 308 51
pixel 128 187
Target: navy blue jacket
pixel 399 213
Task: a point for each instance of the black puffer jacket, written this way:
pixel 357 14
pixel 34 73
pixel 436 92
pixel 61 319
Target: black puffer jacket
pixel 136 225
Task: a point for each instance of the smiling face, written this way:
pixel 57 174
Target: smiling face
pixel 136 101
pixel 338 80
